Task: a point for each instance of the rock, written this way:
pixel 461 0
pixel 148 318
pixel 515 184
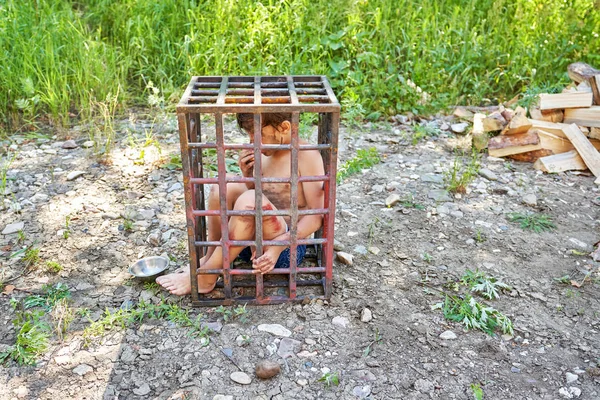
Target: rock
pixel 142 390
pixel 432 178
pixel 302 382
pixel 424 386
pixel 21 392
pixel 337 245
pixel 69 144
pixel 366 315
pixel 13 228
pixel 360 249
pixel 361 392
pixel 266 369
pixel 344 258
pixel 583 246
pixel 448 335
pixel 571 377
pixel 575 391
pixel 392 200
pixel 439 195
pixel 378 188
pixel 288 347
pixel 215 326
pixel 461 127
pixel 240 377
pixel 223 397
pixel 110 216
pixel 39 198
pixel 456 214
pixel 487 174
pixel 74 175
pixel 84 286
pixel 530 199
pixel 87 144
pixel 515 370
pixel 62 360
pixel 174 187
pixel 146 214
pixel 342 322
pixel 82 369
pixel 275 329
pixel 154 239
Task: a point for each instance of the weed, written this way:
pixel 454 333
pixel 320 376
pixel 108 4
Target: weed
pixel 459 176
pixel 477 391
pixel 565 279
pixel 62 316
pixel 32 256
pixel 32 339
pixel 422 131
pixel 21 237
pixel 330 378
pixel 474 315
pixel 173 163
pixel 128 225
pixel 533 221
pixel 152 287
pixel 372 227
pixel 67 231
pixel 49 297
pixel 365 158
pixel 480 236
pixel 408 202
pixel 54 267
pixel 101 115
pixel 530 96
pixel 428 258
pixel 4 167
pixel 377 339
pixel 482 284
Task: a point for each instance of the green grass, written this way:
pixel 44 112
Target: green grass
pixel 54 267
pixel 461 174
pixel 365 158
pixel 475 315
pixel 32 339
pixel 32 256
pixel 533 221
pixel 383 56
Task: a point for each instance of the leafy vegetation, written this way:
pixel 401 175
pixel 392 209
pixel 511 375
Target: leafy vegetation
pixel 533 221
pixel 53 266
pixel 330 378
pixel 483 285
pixel 365 158
pixel 32 338
pixel 382 56
pixel 461 175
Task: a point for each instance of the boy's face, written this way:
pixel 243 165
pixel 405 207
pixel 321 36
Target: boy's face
pixel 270 135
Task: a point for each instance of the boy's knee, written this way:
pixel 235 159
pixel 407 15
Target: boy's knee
pixel 246 201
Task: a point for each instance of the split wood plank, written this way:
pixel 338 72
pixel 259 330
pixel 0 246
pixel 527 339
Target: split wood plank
pixel 595 133
pixel 518 124
pixel 505 145
pixel 566 100
pixel 554 128
pixel 584 116
pixel 579 71
pixel 531 156
pixel 586 150
pixel 569 161
pixel 548 115
pixel 594 82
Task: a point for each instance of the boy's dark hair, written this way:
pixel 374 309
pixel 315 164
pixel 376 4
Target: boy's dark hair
pixel 246 120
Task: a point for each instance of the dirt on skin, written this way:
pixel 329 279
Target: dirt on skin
pixel 130 208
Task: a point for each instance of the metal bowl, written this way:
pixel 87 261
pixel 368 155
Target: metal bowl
pixel 149 268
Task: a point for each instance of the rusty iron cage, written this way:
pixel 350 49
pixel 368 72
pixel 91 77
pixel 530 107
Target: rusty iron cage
pixel 220 95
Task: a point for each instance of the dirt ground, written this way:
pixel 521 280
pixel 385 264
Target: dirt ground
pixel 392 351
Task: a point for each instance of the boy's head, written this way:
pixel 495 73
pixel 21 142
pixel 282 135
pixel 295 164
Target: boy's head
pixel 276 127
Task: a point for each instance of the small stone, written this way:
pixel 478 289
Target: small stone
pixel 439 195
pixel 448 335
pixel 302 382
pixel 337 245
pixel 344 258
pixel 82 369
pixel 424 386
pixel 288 347
pixel 360 249
pixel 142 390
pixel 84 286
pixel 575 391
pixel 361 392
pixel 310 342
pixel 223 397
pixel 266 369
pixel 571 377
pixel 530 199
pixel 460 127
pixel 61 360
pixel 432 178
pixel 146 214
pixel 110 216
pixel 342 322
pixel 487 174
pixel 456 214
pixel 154 239
pixel 374 250
pixel 215 326
pixel 174 187
pixel 583 246
pixel 240 377
pixel 392 200
pixel 366 315
pixel 13 228
pixel 21 392
pixel 74 175
pixel 515 370
pixel 87 144
pixel 69 144
pixel 275 329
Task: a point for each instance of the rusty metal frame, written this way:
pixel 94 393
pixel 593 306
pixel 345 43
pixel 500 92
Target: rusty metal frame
pixel 217 96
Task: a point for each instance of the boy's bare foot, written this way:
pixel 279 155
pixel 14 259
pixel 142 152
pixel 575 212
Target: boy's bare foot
pixel 267 261
pixel 178 282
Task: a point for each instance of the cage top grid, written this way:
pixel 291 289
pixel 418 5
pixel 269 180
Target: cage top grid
pixel 258 94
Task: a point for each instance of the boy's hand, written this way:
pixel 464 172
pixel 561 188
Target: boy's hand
pixel 267 261
pixel 246 162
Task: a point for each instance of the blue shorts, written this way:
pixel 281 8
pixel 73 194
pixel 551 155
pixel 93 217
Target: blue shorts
pixel 284 258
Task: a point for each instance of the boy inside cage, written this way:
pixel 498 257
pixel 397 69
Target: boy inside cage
pixel 275 163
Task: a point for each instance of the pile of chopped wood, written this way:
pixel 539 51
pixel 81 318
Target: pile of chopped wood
pixel 562 134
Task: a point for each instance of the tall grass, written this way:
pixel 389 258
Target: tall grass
pixel 383 56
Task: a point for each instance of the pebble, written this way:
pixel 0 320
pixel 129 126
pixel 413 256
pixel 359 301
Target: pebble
pixel 439 195
pixel 21 392
pixel 310 342
pixel 13 228
pixel 337 245
pixel 223 397
pixel 583 246
pixel 82 369
pixel 342 322
pixel 360 249
pixel 374 250
pixel 457 214
pixel 487 174
pixel 275 329
pixel 515 370
pixel 366 315
pixel 69 144
pixel 266 369
pixel 240 377
pixel 361 392
pixel 242 340
pixel 460 127
pixel 288 347
pixel 142 390
pixel 530 199
pixel 74 175
pixel 154 239
pixel 571 392
pixel 302 382
pixel 424 386
pixel 344 258
pixel 432 178
pixel 174 187
pixel 448 335
pixel 87 144
pixel 392 200
pixel 571 377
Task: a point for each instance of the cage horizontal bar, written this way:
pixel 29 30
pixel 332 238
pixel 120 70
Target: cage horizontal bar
pixel 243 179
pixel 250 146
pixel 252 108
pixel 266 213
pixel 247 243
pixel 271 300
pixel 275 284
pixel 275 271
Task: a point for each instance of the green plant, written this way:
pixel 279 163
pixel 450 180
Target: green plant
pixel 173 163
pixel 32 339
pixel 474 315
pixel 21 237
pixel 32 256
pixel 480 236
pixel 101 115
pixel 409 202
pixel 565 279
pixel 482 284
pixel 307 121
pixel 53 266
pixel 152 287
pixel 62 316
pixel 422 131
pixel 477 391
pixel 67 231
pixel 365 158
pixel 460 176
pixel 530 95
pixel 377 339
pixel 330 378
pixel 428 258
pixel 4 167
pixel 127 225
pixel 49 297
pixel 225 312
pixel 241 313
pixel 533 221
